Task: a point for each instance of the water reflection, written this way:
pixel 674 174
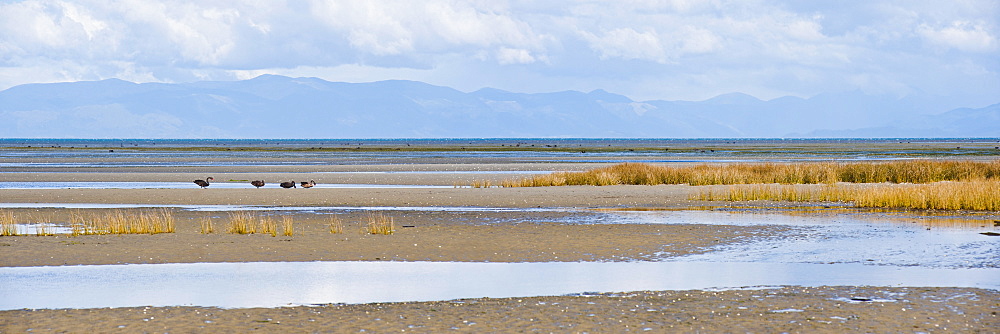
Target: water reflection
pixel 186 185
pixel 262 284
pixel 844 236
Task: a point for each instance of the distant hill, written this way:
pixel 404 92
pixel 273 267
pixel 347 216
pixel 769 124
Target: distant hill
pixel 272 106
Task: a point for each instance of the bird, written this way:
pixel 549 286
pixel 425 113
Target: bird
pixel 309 184
pixel 203 183
pixel 286 185
pixel 257 183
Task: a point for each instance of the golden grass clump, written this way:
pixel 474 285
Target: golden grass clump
pixel 207 226
pixel 244 222
pixel 482 184
pixel 268 226
pixel 336 225
pixel 123 222
pixel 945 195
pixel 910 171
pixel 379 223
pixel 287 227
pixel 8 223
pixel 241 222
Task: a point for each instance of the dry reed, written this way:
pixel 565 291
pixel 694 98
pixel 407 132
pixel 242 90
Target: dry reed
pixel 911 171
pixel 336 225
pixel 123 222
pixel 287 228
pixel 379 223
pixel 241 222
pixel 207 225
pixel 945 195
pixel 8 223
pixel 482 184
pixel 268 226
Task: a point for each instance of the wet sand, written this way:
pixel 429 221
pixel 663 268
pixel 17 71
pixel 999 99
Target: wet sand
pixel 450 236
pixel 773 310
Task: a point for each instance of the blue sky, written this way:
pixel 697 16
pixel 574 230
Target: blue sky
pixel 672 50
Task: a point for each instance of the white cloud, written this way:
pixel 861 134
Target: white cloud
pixel 627 43
pixel 671 49
pixel 962 35
pixel 514 56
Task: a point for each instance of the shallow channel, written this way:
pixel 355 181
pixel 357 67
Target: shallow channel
pixel 185 185
pixel 274 284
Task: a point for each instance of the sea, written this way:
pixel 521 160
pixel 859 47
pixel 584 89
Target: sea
pixel 447 142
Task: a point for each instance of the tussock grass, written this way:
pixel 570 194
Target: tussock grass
pixel 8 223
pixel 44 230
pixel 378 223
pixel 241 222
pixel 287 227
pixel 207 226
pixel 482 184
pixel 268 226
pixel 910 171
pixel 245 222
pixel 43 225
pixel 336 225
pixel 123 222
pixel 980 195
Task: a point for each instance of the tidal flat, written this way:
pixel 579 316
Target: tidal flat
pixel 439 218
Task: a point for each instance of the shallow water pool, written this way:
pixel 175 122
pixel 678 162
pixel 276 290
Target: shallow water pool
pixel 273 284
pixel 185 185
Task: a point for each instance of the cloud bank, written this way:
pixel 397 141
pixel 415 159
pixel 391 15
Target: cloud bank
pixel 652 49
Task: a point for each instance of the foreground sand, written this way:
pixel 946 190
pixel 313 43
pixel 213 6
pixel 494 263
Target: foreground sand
pixel 775 310
pixel 449 236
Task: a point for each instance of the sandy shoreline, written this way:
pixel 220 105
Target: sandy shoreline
pixel 773 310
pixel 448 236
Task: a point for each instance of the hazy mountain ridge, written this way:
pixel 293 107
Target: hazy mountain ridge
pixel 280 107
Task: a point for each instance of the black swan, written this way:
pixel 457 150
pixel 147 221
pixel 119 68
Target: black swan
pixel 203 183
pixel 287 184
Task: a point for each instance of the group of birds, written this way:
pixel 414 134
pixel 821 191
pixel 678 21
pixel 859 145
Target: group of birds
pixel 259 183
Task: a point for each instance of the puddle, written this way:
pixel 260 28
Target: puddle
pixel 186 185
pixel 36 229
pixel 224 208
pixel 274 284
pixel 528 172
pixel 845 236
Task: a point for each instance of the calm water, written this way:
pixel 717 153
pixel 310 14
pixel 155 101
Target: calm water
pixel 187 185
pixel 457 142
pixel 276 284
pixel 838 149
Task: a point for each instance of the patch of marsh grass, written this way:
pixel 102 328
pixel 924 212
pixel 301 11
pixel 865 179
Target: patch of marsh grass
pixel 207 226
pixel 268 226
pixel 911 171
pixel 946 195
pixel 241 222
pixel 245 222
pixel 287 227
pixel 8 223
pixel 482 184
pixel 123 222
pixel 336 225
pixel 379 223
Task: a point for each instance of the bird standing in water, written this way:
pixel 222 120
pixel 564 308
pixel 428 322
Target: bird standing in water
pixel 203 183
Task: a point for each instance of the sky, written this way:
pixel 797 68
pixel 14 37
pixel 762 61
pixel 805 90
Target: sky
pixel 644 49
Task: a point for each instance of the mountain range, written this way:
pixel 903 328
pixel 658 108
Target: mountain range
pixel 271 106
